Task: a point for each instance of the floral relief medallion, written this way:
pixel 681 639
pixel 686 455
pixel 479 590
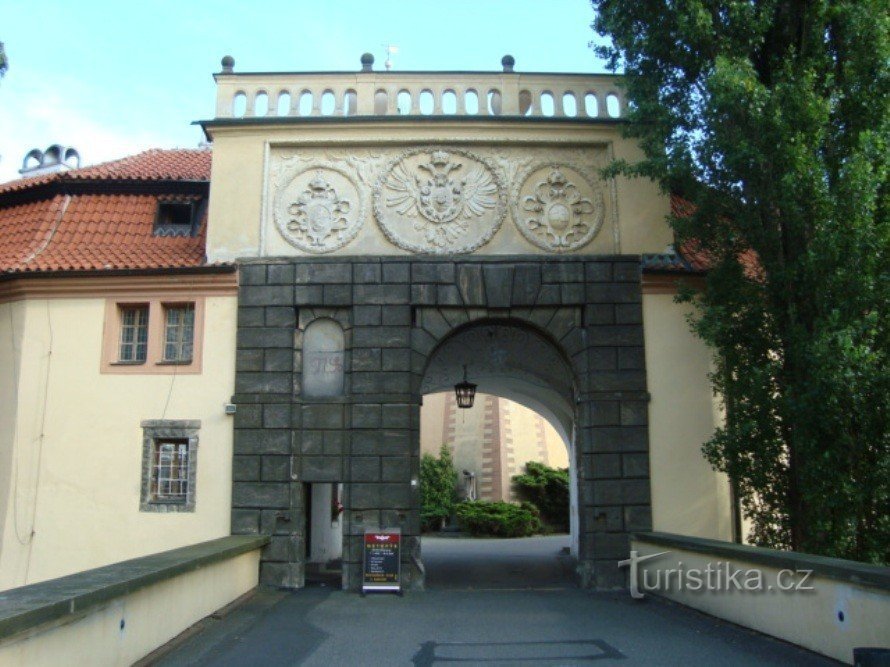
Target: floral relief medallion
pixel 558 209
pixel 319 210
pixel 444 201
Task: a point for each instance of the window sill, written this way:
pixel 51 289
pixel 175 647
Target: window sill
pixel 127 363
pixel 184 362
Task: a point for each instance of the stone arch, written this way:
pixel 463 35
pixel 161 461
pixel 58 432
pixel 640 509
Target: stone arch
pixel 515 359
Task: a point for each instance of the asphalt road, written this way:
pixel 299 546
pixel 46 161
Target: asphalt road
pixel 491 602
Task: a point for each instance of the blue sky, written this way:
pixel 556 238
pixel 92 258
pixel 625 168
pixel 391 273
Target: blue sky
pixel 114 78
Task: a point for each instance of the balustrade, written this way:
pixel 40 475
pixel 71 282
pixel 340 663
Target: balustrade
pixel 370 93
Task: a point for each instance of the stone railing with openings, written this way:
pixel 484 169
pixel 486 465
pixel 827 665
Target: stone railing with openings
pixel 369 93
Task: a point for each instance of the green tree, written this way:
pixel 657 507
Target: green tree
pixel 438 489
pixel 771 118
pixel 547 489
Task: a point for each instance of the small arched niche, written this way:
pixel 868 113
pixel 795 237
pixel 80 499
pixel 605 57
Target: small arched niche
pixel 324 348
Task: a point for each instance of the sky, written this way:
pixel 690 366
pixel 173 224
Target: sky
pixel 114 78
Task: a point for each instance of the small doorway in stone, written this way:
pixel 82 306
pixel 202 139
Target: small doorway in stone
pixel 525 410
pixel 324 533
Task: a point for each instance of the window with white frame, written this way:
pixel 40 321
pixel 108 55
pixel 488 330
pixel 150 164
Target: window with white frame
pixel 133 342
pixel 169 465
pixel 179 332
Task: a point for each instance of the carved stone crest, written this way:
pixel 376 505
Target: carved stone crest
pixel 440 201
pixel 558 209
pixel 320 210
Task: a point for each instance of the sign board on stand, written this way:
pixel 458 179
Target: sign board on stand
pixel 381 568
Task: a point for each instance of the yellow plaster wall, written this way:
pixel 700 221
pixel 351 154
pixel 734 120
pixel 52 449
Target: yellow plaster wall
pixel 688 496
pixel 12 323
pixel 77 453
pixel 151 617
pixel 241 156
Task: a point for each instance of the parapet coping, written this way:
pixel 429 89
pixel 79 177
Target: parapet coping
pixel 847 571
pixel 30 606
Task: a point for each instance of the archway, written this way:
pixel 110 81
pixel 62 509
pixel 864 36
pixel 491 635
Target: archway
pixel 510 359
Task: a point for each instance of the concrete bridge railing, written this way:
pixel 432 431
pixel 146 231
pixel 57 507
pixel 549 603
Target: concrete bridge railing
pixel 827 605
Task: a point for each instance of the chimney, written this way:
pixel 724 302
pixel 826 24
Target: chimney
pixel 54 159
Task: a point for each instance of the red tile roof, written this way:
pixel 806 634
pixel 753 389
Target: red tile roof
pixel 695 256
pixel 94 231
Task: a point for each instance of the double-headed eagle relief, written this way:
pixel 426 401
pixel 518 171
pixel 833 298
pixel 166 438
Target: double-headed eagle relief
pixel 440 202
pixel 557 209
pixel 320 210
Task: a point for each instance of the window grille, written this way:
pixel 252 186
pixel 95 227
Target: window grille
pixel 134 334
pixel 170 467
pixel 179 333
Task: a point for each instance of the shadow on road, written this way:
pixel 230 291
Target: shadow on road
pixel 484 563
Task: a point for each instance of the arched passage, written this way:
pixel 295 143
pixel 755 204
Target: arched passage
pixel 511 359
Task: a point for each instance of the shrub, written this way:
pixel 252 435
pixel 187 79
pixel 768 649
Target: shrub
pixel 498 519
pixel 547 489
pixel 438 482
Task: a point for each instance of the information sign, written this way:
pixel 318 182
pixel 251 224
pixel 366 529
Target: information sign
pixel 381 569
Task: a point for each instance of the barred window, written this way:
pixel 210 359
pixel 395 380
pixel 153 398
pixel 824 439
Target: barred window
pixel 169 473
pixel 179 333
pixel 134 334
pixel 169 462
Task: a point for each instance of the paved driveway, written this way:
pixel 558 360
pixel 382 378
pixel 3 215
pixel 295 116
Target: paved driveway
pixel 491 602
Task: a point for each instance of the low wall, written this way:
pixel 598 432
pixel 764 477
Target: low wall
pixel 827 605
pixel 117 614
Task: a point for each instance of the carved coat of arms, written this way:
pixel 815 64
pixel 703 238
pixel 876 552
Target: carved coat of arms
pixel 558 209
pixel 440 202
pixel 319 211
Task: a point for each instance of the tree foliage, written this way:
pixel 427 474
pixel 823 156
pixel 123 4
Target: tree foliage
pixel 771 118
pixel 547 489
pixel 438 483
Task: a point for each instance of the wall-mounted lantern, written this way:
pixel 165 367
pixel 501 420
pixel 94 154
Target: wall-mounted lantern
pixel 465 392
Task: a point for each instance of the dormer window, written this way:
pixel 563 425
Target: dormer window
pixel 176 218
